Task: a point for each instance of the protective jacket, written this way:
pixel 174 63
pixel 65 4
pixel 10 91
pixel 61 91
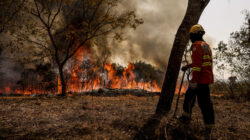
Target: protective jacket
pixel 202 63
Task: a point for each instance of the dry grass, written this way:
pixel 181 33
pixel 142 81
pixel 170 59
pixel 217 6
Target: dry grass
pixel 86 117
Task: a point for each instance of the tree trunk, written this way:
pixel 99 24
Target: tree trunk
pixel 63 84
pixel 193 13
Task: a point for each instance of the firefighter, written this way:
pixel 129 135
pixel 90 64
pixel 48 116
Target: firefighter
pixel 202 76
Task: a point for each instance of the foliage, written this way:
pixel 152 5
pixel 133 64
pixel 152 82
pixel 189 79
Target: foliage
pixel 9 10
pixel 147 72
pixel 235 90
pixel 42 77
pixel 143 72
pixel 119 69
pixel 234 57
pixel 236 53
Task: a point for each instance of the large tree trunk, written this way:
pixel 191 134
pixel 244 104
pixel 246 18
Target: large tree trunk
pixel 62 80
pixel 193 13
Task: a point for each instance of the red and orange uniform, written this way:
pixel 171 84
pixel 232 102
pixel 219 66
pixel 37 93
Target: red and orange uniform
pixel 202 63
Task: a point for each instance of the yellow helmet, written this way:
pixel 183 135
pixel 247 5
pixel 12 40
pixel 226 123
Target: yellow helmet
pixel 197 29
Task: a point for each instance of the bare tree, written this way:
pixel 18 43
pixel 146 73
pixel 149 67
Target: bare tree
pixel 61 28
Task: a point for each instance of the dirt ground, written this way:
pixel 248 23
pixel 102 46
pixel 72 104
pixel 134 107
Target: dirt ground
pixel 87 117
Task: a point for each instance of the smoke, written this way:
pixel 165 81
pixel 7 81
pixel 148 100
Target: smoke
pixel 10 69
pixel 10 72
pixel 152 41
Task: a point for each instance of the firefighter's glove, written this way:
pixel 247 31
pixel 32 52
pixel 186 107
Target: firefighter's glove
pixel 184 68
pixel 193 86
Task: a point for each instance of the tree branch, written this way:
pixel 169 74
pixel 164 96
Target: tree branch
pixel 58 11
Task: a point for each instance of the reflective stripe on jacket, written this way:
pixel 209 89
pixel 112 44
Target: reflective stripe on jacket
pixel 202 63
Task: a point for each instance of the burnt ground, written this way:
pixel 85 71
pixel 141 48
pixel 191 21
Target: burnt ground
pixel 87 117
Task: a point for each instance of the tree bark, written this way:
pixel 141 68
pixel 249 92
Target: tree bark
pixel 62 80
pixel 192 16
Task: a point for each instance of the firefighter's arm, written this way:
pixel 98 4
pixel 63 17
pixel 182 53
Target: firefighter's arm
pixel 184 68
pixel 196 63
pixel 188 66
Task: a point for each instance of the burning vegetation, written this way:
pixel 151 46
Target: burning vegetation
pixel 84 73
pixel 88 75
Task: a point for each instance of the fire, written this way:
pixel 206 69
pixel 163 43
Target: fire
pixel 27 91
pixel 84 75
pixel 84 79
pixel 183 88
pixel 126 81
pixel 7 89
pixel 59 86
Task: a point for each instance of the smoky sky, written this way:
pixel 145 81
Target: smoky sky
pixel 151 42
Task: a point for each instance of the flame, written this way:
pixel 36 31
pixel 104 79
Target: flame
pixel 89 77
pixel 26 91
pixel 59 86
pixel 78 83
pixel 183 88
pixel 7 89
